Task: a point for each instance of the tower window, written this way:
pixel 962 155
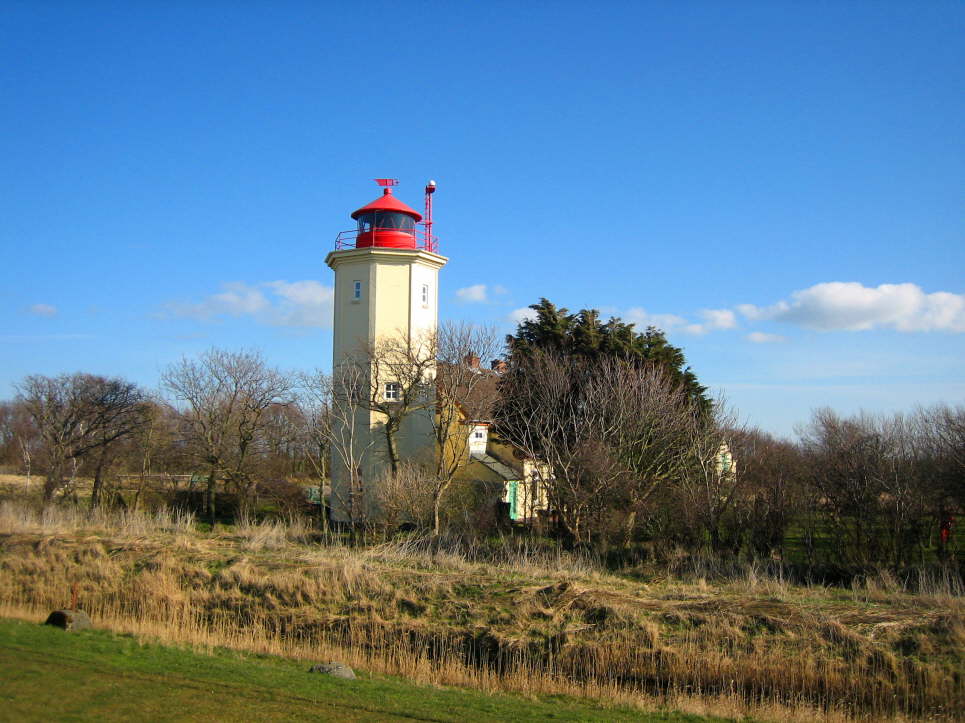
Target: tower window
pixel 393 391
pixel 425 294
pixel 356 290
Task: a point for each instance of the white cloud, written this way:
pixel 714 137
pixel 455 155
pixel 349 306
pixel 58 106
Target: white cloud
pixel 301 303
pixel 235 299
pixel 713 320
pixel 759 337
pixel 43 309
pixel 275 303
pixel 850 306
pixel 472 294
pixel 642 318
pixel 750 311
pixel 500 290
pixel 719 319
pixel 518 316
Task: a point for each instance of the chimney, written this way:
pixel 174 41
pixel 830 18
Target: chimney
pixel 471 360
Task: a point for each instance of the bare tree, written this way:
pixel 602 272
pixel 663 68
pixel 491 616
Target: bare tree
pixel 901 500
pixel 314 402
pixel 331 407
pixel 406 497
pixel 847 459
pixel 709 482
pixel 938 435
pixel 653 424
pixel 770 495
pixel 607 432
pixel 155 446
pixel 464 395
pixel 25 454
pixel 400 373
pixel 19 438
pixel 286 446
pixel 222 398
pixel 549 423
pixel 886 484
pixel 120 410
pixel 9 452
pixel 77 414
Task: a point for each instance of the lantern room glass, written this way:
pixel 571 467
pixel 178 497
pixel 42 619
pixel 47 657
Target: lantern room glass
pixel 386 221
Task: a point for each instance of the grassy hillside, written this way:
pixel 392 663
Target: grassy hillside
pixel 46 674
pixel 530 624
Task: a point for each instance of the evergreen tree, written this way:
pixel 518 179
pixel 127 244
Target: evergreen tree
pixel 583 335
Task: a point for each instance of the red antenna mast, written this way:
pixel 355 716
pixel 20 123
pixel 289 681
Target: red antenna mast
pixel 427 222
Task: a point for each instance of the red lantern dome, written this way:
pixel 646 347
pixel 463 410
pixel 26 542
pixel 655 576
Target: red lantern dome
pixel 386 222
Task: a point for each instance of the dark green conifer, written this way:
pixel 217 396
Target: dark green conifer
pixel 583 335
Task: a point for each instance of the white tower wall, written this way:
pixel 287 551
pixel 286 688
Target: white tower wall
pixel 398 298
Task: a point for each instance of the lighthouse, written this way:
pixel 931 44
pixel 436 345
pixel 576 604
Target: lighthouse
pixel 386 291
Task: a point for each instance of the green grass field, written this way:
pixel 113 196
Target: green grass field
pixel 47 674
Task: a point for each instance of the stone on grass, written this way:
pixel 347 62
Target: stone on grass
pixel 69 619
pixel 337 670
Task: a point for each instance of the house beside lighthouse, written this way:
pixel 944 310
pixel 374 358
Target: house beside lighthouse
pixel 386 288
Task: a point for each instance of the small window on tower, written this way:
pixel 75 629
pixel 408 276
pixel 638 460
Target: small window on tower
pixel 425 294
pixel 356 290
pixel 393 391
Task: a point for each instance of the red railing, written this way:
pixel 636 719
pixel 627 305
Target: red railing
pixel 347 239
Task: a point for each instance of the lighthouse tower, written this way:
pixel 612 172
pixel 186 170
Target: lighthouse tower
pixel 386 290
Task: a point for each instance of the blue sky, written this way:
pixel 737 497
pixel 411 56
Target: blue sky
pixel 778 185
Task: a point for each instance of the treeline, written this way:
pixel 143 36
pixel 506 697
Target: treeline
pixel 637 458
pixel 240 428
pixel 630 458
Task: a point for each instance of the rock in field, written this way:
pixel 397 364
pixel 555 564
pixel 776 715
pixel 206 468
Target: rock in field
pixel 69 619
pixel 337 670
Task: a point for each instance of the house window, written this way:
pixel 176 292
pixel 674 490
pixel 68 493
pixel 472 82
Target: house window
pixel 479 434
pixel 356 290
pixel 425 294
pixel 393 391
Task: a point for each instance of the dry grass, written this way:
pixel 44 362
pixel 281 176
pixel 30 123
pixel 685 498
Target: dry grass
pixel 21 485
pixel 72 520
pixel 535 624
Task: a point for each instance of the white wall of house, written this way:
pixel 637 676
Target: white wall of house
pixel 478 438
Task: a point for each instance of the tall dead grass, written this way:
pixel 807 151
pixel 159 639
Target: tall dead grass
pixel 758 645
pixel 273 534
pixel 16 517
